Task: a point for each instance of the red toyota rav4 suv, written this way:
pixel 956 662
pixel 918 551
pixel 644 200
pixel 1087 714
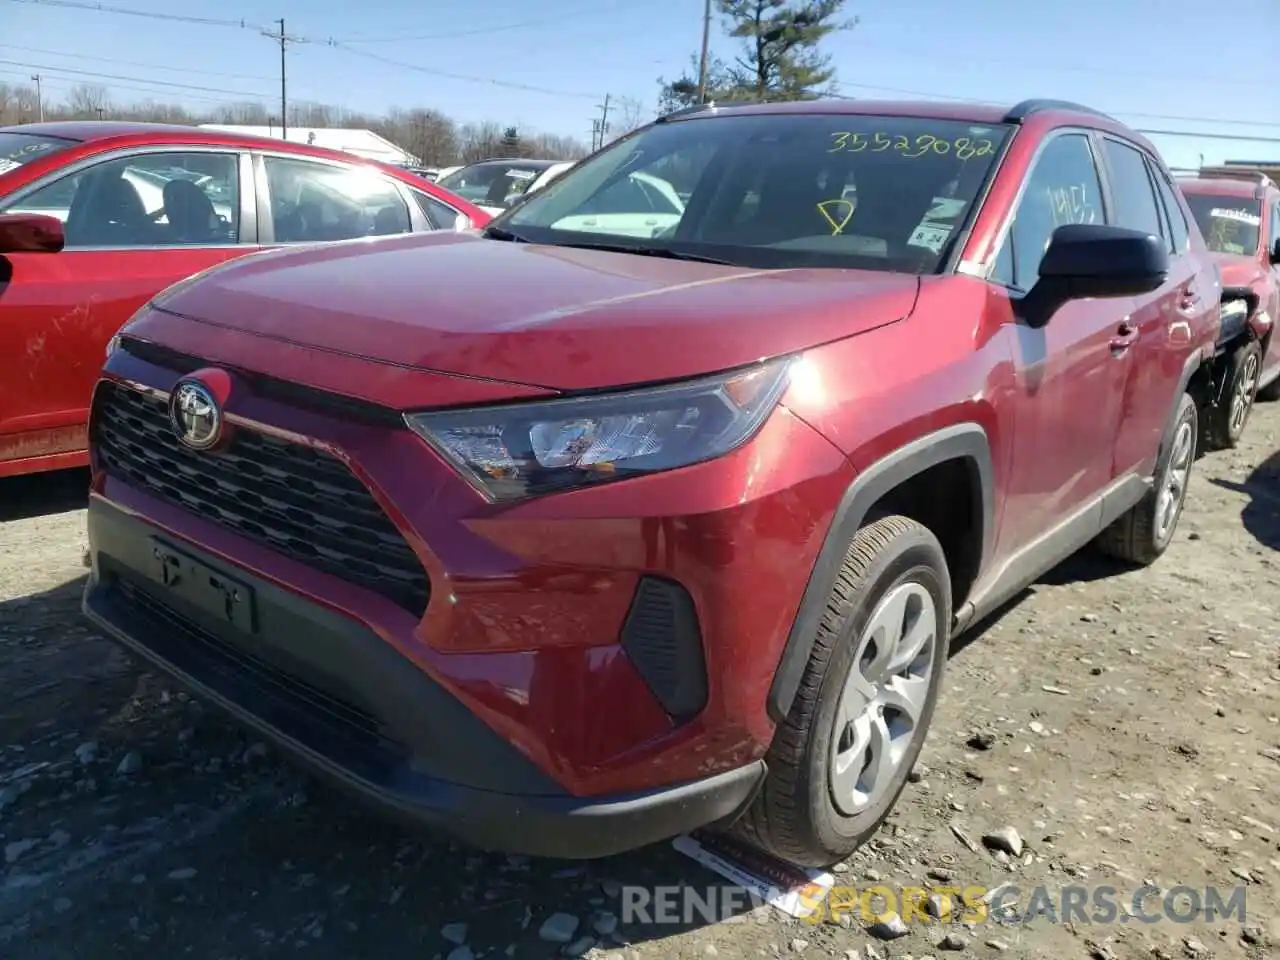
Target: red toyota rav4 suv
pixel 573 538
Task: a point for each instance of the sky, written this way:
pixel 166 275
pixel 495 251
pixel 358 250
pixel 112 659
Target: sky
pixel 549 65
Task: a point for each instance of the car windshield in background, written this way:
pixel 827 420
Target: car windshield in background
pixel 818 190
pixel 1229 224
pixel 492 182
pixel 19 148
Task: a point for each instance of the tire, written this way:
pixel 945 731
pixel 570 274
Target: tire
pixel 796 815
pixel 1270 393
pixel 1224 425
pixel 1142 535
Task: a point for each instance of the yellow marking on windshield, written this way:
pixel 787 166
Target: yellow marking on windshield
pixel 836 212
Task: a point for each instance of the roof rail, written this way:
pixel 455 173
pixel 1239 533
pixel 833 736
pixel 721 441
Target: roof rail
pixel 700 107
pixel 1038 105
pixel 1252 174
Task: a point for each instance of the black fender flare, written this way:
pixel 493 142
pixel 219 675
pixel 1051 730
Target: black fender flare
pixel 1190 367
pixel 967 441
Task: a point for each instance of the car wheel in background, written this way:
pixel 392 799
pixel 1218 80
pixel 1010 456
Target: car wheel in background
pixel 1143 534
pixel 1224 424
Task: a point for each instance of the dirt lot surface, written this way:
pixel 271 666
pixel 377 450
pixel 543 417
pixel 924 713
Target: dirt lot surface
pixel 1123 723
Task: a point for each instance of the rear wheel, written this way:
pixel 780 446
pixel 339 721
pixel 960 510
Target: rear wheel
pixel 1143 534
pixel 1224 424
pixel 842 756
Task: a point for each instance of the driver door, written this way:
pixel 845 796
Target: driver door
pixel 129 236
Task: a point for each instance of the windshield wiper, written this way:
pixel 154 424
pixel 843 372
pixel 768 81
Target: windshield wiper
pixel 499 233
pixel 664 252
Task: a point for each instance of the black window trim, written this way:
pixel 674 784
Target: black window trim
pixel 249 234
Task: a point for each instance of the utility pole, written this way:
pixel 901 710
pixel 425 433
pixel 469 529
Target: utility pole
pixel 284 100
pixel 602 125
pixel 39 96
pixel 702 61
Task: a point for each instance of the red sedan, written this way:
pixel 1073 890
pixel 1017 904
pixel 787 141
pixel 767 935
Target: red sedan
pixel 127 209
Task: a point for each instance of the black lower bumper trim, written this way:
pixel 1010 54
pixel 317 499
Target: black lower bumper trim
pixel 332 694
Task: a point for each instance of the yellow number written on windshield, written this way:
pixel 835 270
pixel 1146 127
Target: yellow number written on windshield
pixel 963 148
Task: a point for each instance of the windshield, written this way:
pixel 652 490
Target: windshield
pixel 19 148
pixel 1229 224
pixel 881 193
pixel 491 183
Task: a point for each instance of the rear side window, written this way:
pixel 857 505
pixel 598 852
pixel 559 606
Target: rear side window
pixel 1135 203
pixel 1063 188
pixel 1179 239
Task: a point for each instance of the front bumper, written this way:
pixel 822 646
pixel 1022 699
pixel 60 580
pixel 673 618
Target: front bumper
pixel 332 693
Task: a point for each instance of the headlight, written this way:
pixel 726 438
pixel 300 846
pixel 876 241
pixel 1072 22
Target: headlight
pixel 526 449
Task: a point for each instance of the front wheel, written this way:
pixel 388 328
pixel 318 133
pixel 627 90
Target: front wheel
pixel 1143 534
pixel 842 756
pixel 1224 425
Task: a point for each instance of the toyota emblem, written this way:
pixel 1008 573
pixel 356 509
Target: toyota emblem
pixel 195 416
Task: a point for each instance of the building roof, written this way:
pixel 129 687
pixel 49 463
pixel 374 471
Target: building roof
pixel 362 143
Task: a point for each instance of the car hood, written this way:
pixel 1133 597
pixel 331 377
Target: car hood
pixel 544 316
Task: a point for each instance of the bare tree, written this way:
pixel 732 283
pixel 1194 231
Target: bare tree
pixel 88 101
pixel 627 115
pixel 426 133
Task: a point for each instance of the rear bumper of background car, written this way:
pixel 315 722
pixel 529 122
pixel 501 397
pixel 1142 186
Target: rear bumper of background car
pixel 332 693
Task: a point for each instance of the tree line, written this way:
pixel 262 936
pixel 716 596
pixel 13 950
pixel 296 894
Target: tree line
pixel 428 134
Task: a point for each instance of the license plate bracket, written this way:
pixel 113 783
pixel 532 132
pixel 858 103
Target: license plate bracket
pixel 200 585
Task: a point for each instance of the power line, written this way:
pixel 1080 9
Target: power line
pixel 94 75
pixel 510 85
pixel 1205 136
pixel 136 63
pixel 147 14
pixel 69 84
pixel 997 103
pixel 483 31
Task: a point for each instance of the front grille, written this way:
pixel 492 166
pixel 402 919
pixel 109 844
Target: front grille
pixel 300 502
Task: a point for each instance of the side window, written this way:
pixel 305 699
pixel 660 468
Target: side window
pixel 146 200
pixel 1179 240
pixel 1063 188
pixel 315 202
pixel 440 215
pixel 1135 203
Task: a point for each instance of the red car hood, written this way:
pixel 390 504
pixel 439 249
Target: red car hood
pixel 551 317
pixel 1237 271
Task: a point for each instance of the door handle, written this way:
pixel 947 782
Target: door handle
pixel 1125 336
pixel 1189 297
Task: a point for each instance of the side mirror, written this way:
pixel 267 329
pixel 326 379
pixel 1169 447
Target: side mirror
pixel 30 233
pixel 1085 260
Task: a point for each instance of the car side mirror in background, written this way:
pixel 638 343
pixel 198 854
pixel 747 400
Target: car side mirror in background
pixel 30 233
pixel 1085 260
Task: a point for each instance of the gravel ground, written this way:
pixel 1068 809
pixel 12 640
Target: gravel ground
pixel 1124 724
